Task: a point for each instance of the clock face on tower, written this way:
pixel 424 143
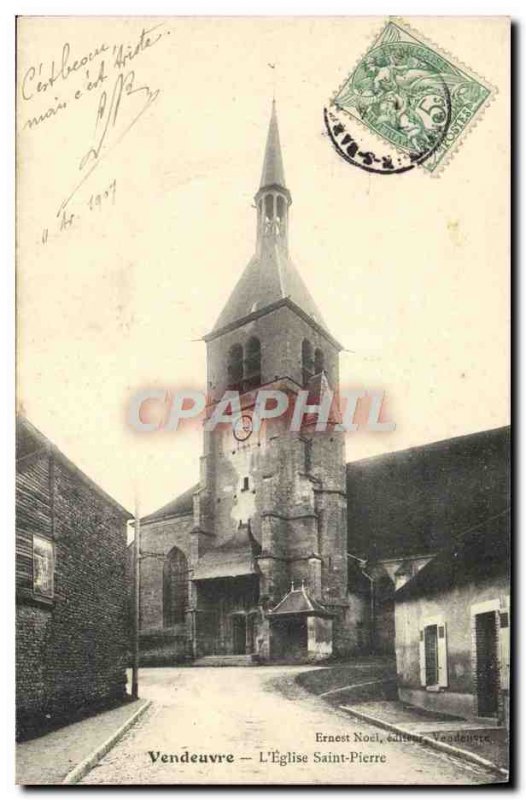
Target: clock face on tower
pixel 243 427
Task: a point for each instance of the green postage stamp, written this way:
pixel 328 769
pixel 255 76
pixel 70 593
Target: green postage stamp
pixel 410 95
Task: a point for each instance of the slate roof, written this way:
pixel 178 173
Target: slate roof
pixel 31 442
pixel 273 173
pixel 415 501
pixel 474 556
pixel 231 559
pixel 298 602
pixel 269 278
pixel 183 504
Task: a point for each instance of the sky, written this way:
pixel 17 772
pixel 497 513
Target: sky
pixel 410 272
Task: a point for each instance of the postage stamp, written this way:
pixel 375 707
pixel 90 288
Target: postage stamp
pixel 410 97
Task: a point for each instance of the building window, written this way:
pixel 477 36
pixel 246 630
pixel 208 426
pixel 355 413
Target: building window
pixel 246 485
pixel 253 364
pixel 319 361
pixel 43 567
pixel 433 654
pixel 307 361
pixel 175 588
pixel 431 648
pixel 235 367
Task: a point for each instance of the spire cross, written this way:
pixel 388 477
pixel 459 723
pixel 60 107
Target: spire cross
pixel 273 68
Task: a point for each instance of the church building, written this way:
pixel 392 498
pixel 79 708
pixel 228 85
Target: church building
pixel 266 553
pixel 282 551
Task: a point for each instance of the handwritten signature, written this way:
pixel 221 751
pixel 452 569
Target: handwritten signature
pixel 108 114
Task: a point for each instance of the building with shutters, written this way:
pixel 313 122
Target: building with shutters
pixel 452 622
pixel 72 627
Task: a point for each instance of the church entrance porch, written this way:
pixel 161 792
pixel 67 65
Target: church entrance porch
pixel 300 629
pixel 226 616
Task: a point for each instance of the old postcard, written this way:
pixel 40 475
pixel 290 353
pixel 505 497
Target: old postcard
pixel 263 470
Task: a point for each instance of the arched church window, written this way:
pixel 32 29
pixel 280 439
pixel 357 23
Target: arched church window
pixel 235 367
pixel 318 361
pixel 253 364
pixel 175 587
pixel 307 361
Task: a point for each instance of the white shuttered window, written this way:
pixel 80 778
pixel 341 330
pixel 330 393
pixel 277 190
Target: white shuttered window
pixel 433 653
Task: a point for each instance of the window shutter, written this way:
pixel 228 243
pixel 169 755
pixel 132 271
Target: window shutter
pixel 505 649
pixel 442 655
pixel 422 648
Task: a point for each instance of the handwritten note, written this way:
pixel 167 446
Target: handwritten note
pixel 108 77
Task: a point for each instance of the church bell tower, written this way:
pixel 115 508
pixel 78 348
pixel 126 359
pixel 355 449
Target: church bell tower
pixel 268 566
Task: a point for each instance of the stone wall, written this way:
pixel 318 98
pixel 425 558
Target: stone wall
pixel 459 697
pixel 71 647
pixel 160 644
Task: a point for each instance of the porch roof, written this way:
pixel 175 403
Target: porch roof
pixel 232 559
pixel 299 603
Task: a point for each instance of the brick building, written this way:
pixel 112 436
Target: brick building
pixel 284 551
pixel 71 611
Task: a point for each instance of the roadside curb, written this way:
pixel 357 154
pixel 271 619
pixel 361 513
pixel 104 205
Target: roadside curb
pixel 77 773
pixel 421 738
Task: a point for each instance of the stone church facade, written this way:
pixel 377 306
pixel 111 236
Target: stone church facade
pixel 266 551
pixel 269 556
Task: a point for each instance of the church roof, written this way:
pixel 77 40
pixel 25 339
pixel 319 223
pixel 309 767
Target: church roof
pixel 273 173
pixel 414 501
pixel 231 559
pixel 299 602
pixel 474 556
pixel 183 504
pixel 269 277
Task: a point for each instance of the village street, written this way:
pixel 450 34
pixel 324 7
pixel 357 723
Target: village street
pixel 265 728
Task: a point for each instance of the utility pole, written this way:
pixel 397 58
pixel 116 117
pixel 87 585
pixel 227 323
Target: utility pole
pixel 136 601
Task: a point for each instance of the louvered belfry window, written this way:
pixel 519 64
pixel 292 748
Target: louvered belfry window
pixel 307 361
pixel 252 364
pixel 235 367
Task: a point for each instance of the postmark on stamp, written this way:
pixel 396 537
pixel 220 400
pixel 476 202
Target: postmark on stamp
pixel 405 104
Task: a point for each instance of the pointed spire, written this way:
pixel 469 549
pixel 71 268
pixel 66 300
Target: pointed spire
pixel 270 277
pixel 273 173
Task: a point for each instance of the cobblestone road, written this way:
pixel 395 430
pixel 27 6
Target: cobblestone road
pixel 249 714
